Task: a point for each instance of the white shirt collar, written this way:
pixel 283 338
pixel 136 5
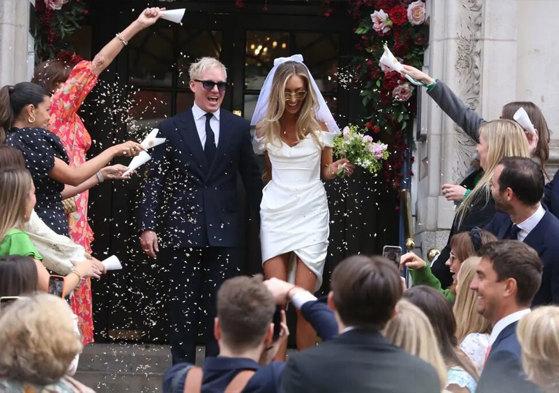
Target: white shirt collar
pixel 198 113
pixel 506 321
pixel 530 223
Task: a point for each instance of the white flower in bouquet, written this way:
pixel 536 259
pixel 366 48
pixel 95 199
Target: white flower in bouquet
pixel 360 149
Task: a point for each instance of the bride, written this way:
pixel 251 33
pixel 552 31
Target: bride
pixel 295 129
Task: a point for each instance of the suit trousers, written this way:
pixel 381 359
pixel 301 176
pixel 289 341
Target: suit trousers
pixel 196 275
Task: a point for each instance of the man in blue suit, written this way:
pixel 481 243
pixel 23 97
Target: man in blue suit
pixel 197 170
pixel 507 278
pixel 517 188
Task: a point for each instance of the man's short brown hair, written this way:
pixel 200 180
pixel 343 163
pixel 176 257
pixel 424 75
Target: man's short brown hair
pixel 515 259
pixel 366 290
pixel 245 308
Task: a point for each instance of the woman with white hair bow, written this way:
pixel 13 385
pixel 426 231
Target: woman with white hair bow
pixel 295 129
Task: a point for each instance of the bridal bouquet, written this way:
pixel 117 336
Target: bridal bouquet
pixel 359 149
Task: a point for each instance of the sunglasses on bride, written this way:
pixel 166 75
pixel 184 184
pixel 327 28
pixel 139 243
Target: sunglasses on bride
pixel 209 85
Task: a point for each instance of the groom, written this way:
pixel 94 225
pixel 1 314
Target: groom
pixel 197 168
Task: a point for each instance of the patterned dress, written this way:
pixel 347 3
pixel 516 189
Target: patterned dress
pixel 65 122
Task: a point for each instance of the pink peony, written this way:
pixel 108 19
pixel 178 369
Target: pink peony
pixel 367 139
pixel 381 23
pixel 55 4
pixel 416 12
pixel 378 149
pixel 402 92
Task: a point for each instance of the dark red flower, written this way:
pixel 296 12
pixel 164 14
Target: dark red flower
pixel 376 129
pixel 384 5
pixel 369 125
pixel 420 39
pixel 401 49
pixel 398 15
pixel 390 80
pixel 239 3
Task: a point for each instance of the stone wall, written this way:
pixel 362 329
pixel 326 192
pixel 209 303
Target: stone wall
pixel 16 44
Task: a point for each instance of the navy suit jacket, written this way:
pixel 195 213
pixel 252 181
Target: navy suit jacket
pixel 551 195
pixel 322 319
pixel 503 369
pixel 202 207
pixel 544 238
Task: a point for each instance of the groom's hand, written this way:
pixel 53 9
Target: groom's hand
pixel 148 241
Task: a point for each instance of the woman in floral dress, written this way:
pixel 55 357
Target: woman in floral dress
pixel 69 88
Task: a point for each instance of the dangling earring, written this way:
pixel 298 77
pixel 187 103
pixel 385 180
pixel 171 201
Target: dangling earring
pixel 31 119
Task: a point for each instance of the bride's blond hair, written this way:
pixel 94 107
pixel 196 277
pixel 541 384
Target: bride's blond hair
pixel 269 127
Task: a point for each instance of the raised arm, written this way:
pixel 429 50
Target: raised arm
pixel 108 53
pixel 452 105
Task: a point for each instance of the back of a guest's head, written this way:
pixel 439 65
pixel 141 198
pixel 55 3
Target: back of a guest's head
pixel 245 308
pixel 538 334
pixel 538 120
pixel 15 187
pixel 515 259
pixel 18 276
pixel 11 157
pixel 411 330
pixel 524 177
pixel 468 320
pixel 467 244
pixel 38 339
pixel 50 73
pixel 366 290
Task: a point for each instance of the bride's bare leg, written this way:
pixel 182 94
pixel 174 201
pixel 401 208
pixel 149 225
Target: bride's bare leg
pixel 277 267
pixel 306 335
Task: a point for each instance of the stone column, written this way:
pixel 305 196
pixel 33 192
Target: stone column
pixel 473 49
pixel 16 43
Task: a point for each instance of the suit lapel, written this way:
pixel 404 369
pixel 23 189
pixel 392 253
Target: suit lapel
pixel 191 139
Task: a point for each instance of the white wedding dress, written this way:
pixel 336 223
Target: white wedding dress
pixel 294 210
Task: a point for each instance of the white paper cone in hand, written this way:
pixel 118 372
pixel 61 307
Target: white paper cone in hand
pixel 390 61
pixel 112 263
pixel 173 15
pixel 521 117
pixel 137 161
pixel 151 140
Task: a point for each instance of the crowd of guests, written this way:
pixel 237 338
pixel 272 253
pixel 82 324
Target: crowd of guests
pixel 464 326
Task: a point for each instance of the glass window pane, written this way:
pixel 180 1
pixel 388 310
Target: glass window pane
pixel 193 44
pixel 184 101
pixel 151 105
pixel 262 47
pixel 320 52
pixel 250 104
pixel 151 59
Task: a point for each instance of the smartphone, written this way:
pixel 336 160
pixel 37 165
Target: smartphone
pixel 393 253
pixel 56 285
pixel 5 300
pixel 277 323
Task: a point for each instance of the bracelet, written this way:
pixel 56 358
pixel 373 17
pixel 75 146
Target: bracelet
pixel 122 40
pixel 287 297
pixel 79 277
pixel 100 177
pixel 431 85
pixel 467 193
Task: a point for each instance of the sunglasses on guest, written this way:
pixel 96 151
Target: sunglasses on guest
pixel 209 85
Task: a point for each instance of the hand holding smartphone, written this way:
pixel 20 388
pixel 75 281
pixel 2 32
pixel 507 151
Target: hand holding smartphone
pixel 56 286
pixel 394 253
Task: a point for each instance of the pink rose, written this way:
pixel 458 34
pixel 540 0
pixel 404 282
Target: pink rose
pixel 416 12
pixel 55 4
pixel 402 92
pixel 378 149
pixel 367 139
pixel 381 23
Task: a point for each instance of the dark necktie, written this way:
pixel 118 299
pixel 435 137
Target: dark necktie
pixel 514 232
pixel 209 146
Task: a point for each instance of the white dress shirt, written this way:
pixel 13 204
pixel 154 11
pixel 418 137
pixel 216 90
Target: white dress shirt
pixel 506 321
pixel 530 223
pixel 200 120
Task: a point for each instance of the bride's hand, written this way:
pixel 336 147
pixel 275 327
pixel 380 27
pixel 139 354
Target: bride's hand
pixel 347 166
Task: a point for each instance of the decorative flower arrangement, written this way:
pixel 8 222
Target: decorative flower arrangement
pixel 58 19
pixel 359 149
pixel 388 99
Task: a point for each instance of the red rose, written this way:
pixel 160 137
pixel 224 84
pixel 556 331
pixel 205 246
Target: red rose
pixel 369 125
pixel 420 39
pixel 376 129
pixel 239 4
pixel 390 80
pixel 398 15
pixel 384 5
pixel 401 49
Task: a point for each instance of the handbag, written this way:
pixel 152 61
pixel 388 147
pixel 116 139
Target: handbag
pixel 69 205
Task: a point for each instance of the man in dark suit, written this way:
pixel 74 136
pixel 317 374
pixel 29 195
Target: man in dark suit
pixel 517 188
pixel 197 168
pixel 364 293
pixel 244 331
pixel 507 278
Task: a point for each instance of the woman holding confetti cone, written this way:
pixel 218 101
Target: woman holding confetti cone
pixel 69 88
pixel 292 127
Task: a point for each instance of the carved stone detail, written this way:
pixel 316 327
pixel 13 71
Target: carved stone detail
pixel 467 65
